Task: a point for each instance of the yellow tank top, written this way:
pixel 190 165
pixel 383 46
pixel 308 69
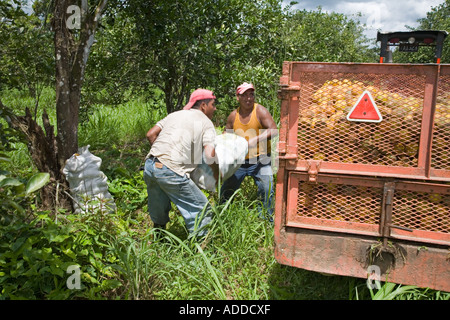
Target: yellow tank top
pixel 249 130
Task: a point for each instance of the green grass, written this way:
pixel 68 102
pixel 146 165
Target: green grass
pixel 236 259
pixel 121 124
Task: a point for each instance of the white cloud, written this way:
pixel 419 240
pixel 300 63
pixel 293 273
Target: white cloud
pixel 384 15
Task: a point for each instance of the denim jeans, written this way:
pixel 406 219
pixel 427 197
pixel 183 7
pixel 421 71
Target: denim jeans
pixel 262 174
pixel 165 186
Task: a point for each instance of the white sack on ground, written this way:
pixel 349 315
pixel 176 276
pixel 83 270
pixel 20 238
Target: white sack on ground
pixel 230 151
pixel 88 185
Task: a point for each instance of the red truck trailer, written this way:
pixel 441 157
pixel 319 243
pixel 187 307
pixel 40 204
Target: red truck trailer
pixel 363 185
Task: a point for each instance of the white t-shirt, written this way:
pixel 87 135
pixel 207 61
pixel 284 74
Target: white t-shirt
pixel 184 134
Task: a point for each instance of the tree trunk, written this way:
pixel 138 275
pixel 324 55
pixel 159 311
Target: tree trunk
pixel 72 48
pixel 43 149
pixel 71 57
pixel 175 88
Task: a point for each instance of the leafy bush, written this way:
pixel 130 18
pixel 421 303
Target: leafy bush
pixel 35 256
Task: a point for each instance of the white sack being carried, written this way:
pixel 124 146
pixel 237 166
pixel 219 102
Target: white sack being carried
pixel 87 183
pixel 231 150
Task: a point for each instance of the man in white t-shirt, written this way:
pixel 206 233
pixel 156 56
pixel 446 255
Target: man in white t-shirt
pixel 178 143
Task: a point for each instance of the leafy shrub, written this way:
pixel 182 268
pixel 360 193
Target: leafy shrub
pixel 38 247
pixel 35 256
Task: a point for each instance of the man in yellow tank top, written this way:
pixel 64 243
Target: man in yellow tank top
pixel 255 123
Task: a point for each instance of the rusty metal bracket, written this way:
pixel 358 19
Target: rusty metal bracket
pixel 287 156
pixel 386 211
pixel 313 169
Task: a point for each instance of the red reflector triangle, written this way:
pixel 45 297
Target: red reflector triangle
pixel 365 110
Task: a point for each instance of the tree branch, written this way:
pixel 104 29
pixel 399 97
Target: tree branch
pixel 89 28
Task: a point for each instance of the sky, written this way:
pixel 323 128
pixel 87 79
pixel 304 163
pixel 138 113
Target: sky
pixel 383 15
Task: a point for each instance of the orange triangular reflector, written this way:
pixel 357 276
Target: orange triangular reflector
pixel 365 110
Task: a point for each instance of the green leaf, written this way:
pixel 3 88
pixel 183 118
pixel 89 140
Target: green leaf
pixel 10 182
pixel 56 270
pixel 70 253
pixel 5 159
pixel 83 252
pixel 58 238
pixel 110 284
pixel 37 181
pixel 18 243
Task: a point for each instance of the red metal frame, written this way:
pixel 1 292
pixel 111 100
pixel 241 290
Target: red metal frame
pixel 412 256
pixel 290 94
pixel 392 231
pixel 293 220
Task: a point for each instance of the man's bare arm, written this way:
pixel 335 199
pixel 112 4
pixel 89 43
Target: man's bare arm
pixel 230 121
pixel 267 122
pixel 211 160
pixel 153 133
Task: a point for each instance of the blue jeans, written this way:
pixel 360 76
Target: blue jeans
pixel 262 174
pixel 165 186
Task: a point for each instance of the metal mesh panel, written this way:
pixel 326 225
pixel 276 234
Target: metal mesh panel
pixel 332 201
pixel 440 157
pixel 325 134
pixel 421 210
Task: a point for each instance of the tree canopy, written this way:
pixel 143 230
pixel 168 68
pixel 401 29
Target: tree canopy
pixel 173 47
pixel 179 46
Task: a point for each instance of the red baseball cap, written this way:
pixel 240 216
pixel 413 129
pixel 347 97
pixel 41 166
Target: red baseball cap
pixel 199 94
pixel 244 87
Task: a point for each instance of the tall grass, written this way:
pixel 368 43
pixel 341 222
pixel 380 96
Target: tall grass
pixel 227 264
pixel 234 261
pixel 121 124
pixel 103 127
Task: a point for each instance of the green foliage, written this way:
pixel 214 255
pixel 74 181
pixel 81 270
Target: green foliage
pixel 389 291
pixel 36 250
pixel 36 182
pixel 129 189
pixel 26 58
pixel 325 37
pixel 11 195
pixel 8 135
pixel 14 154
pixel 15 193
pixel 36 254
pixel 214 45
pixel 439 19
pixel 106 125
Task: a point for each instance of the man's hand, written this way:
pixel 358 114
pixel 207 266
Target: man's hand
pixel 211 160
